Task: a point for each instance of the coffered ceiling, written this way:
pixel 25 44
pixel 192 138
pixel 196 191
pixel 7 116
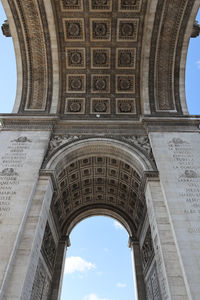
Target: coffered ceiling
pixel 81 59
pixel 100 43
pixel 99 181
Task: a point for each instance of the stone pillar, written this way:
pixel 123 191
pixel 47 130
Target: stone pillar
pixel 170 274
pixel 22 270
pixel 177 155
pixel 138 276
pixel 21 156
pixel 59 268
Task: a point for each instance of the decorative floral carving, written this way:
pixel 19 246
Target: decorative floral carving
pixel 100 29
pixel 139 140
pixel 136 140
pixel 190 174
pixel 195 29
pixel 100 83
pixel 125 83
pixel 100 105
pixel 100 5
pixel 147 249
pixel 125 106
pixel 8 172
pixel 75 106
pixel 76 83
pixel 59 140
pixel 41 283
pixel 6 29
pixel 75 58
pixel 74 29
pixel 48 246
pixel 129 5
pixel 22 139
pixel 126 58
pixel 100 58
pixel 71 5
pixel 127 29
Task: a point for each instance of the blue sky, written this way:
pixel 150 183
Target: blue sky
pixel 98 265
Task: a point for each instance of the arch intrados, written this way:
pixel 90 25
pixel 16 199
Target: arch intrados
pixel 94 212
pixel 18 57
pixel 100 146
pixel 184 53
pixel 78 151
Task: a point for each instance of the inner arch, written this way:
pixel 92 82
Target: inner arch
pixel 99 185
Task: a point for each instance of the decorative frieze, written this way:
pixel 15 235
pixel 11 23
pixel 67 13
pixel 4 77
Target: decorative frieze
pixel 139 141
pixel 41 285
pixel 152 285
pixel 48 248
pixel 147 250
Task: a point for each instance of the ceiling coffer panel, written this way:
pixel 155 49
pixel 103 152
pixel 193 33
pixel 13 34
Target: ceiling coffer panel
pixel 100 45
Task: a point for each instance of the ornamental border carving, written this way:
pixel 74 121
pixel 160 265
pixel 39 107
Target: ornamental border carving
pixel 165 61
pixel 34 42
pixel 140 142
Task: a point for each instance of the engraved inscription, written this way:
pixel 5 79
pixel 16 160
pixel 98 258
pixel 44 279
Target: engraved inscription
pixel 187 168
pixel 11 163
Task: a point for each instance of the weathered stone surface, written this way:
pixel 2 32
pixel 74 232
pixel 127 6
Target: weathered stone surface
pixel 177 157
pixel 21 155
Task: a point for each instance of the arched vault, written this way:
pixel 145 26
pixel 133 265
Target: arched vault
pixel 99 176
pixel 115 58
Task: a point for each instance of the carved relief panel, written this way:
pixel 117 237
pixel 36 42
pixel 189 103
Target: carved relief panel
pixel 41 283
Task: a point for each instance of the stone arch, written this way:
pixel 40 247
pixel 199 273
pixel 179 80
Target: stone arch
pixel 29 29
pixel 100 176
pixel 36 31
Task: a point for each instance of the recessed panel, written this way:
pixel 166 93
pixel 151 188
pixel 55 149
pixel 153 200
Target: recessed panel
pixel 101 47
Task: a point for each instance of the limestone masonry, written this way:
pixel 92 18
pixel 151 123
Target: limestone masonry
pixel 100 126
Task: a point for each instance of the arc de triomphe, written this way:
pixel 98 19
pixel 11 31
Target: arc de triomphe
pixel 100 126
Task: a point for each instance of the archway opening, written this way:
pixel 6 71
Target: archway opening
pixel 98 262
pixel 8 79
pixel 192 78
pixel 102 177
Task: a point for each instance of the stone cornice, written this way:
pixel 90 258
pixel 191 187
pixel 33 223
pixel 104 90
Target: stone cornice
pixel 16 122
pixel 100 127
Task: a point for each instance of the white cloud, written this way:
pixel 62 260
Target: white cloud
pixel 76 263
pixel 117 225
pixel 121 285
pixel 93 297
pixel 198 64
